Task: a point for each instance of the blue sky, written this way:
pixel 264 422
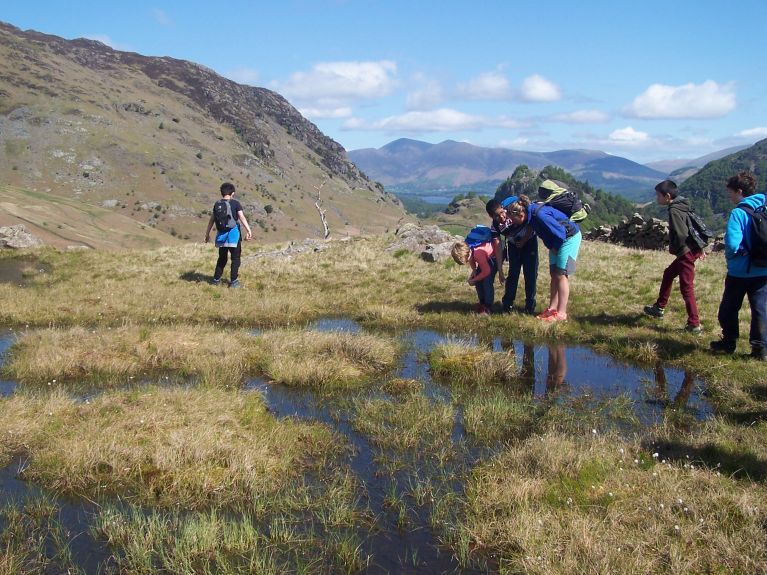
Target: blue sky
pixel 647 80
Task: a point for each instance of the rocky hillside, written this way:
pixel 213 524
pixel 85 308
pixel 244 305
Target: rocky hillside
pixel 707 187
pixel 153 138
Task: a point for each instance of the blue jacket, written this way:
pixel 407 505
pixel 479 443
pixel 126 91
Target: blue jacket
pixel 551 225
pixel 737 240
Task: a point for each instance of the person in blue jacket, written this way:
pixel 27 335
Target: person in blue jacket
pixel 562 237
pixel 743 278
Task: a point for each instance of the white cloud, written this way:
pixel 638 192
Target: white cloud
pixel 487 86
pixel 247 76
pixel 161 17
pixel 760 132
pixel 105 39
pixel 582 117
pixel 628 136
pixel 429 95
pixel 536 88
pixel 442 120
pixel 516 143
pixel 340 81
pixel 706 100
pixel 326 113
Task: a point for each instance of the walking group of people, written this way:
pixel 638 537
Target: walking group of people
pixel 517 223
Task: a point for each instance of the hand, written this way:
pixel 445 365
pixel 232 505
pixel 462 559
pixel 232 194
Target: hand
pixel 207 238
pixel 471 281
pixel 249 236
pixel 501 278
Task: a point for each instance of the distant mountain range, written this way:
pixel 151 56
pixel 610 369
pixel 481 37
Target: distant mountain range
pixel 415 167
pixel 681 169
pixel 412 167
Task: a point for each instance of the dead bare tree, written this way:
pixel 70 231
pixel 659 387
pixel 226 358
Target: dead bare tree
pixel 318 205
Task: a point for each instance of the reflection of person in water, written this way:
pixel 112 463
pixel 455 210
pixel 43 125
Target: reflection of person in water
pixel 555 377
pixel 527 375
pixel 661 388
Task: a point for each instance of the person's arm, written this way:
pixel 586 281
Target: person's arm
pixel 733 237
pixel 498 251
pixel 244 222
pixel 210 227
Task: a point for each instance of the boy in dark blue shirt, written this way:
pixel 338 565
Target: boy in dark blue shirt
pixel 228 216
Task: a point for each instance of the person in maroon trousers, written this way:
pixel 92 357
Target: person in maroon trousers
pixel 686 252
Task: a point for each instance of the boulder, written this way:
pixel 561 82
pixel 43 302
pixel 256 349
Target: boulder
pixel 417 239
pixel 17 237
pixel 437 252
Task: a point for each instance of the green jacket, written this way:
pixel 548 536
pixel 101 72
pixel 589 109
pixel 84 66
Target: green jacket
pixel 678 230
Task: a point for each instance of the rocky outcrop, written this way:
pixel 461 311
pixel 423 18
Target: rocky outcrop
pixel 430 242
pixel 635 232
pixel 17 237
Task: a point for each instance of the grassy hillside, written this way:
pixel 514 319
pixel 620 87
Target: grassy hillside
pixel 64 222
pixel 153 138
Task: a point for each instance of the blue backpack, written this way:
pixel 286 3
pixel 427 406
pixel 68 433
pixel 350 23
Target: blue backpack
pixel 478 236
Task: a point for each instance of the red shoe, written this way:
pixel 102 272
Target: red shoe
pixel 548 312
pixel 555 317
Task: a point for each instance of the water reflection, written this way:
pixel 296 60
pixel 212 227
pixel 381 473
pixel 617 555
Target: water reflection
pixel 7 337
pixel 661 392
pixel 557 370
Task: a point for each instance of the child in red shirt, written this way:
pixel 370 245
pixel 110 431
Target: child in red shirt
pixel 481 260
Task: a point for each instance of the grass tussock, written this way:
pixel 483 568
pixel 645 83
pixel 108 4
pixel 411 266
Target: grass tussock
pixel 210 543
pixel 163 446
pixel 58 355
pixel 466 364
pixel 597 504
pixel 324 359
pixel 32 540
pixel 412 422
pixel 496 415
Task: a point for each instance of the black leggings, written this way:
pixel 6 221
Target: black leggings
pixel 222 258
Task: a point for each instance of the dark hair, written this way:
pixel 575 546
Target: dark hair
pixel 667 188
pixel 491 206
pixel 227 189
pixel 745 182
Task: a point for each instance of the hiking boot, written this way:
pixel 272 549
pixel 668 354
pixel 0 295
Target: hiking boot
pixel 693 329
pixel 759 353
pixel 722 346
pixel 508 309
pixel 215 282
pixel 654 310
pixel 529 311
pixel 235 284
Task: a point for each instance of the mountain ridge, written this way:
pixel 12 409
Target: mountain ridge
pixel 420 166
pixel 154 137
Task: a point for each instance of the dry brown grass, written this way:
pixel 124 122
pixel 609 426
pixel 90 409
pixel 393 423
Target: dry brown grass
pixel 324 359
pixel 163 446
pixel 559 504
pixel 60 355
pixel 467 364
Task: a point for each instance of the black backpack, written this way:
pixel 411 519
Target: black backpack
pixel 758 251
pixel 698 231
pixel 222 215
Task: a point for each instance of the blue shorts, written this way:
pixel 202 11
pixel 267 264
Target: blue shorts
pixel 228 238
pixel 562 261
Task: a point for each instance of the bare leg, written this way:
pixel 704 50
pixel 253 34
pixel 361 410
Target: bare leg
pixel 563 293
